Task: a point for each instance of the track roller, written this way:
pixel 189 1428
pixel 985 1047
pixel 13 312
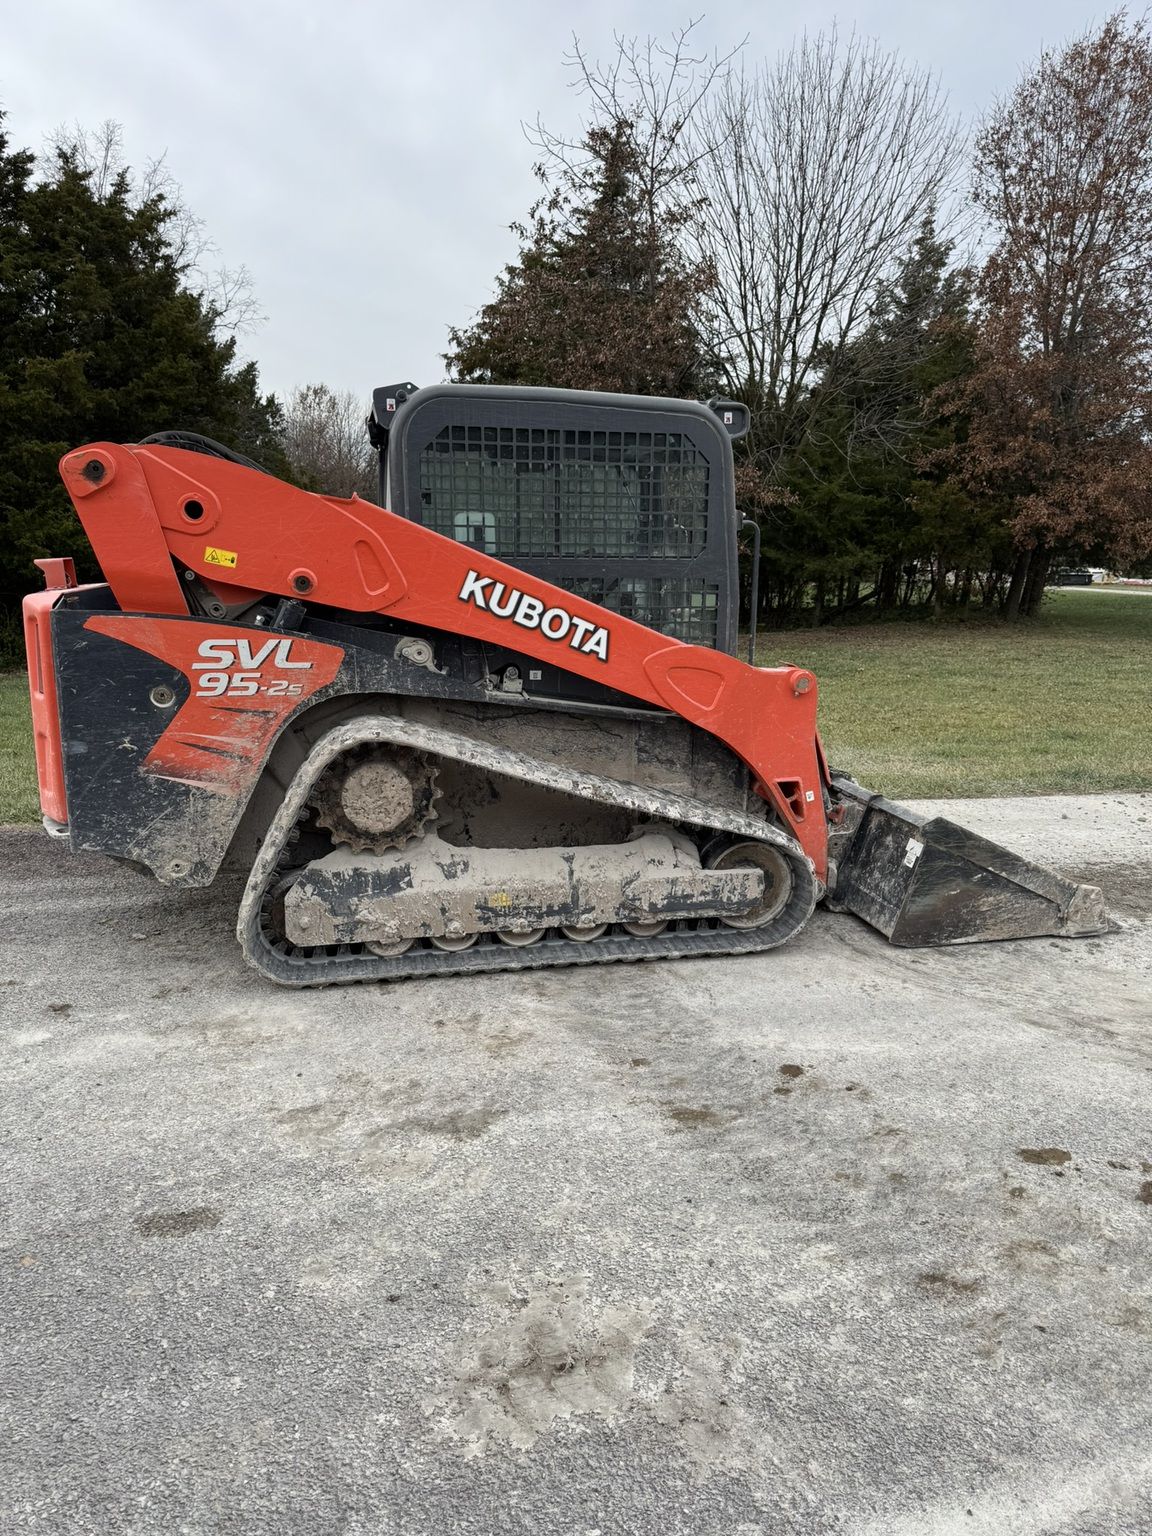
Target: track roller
pixel 584 935
pixel 453 942
pixel 390 951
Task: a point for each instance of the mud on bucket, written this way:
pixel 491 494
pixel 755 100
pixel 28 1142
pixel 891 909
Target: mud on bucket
pixel 926 881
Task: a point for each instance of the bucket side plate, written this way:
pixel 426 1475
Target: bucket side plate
pixel 926 881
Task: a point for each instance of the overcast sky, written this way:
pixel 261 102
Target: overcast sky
pixel 364 161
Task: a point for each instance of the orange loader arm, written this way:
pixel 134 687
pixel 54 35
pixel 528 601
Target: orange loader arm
pixel 147 509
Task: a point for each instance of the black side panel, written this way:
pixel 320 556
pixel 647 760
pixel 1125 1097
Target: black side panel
pixel 109 724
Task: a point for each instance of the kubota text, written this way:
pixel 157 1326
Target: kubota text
pixel 522 608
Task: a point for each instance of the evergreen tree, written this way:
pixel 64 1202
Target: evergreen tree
pixel 600 297
pixel 100 339
pixel 871 513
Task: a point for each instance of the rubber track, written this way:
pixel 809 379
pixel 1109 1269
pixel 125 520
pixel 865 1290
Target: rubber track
pixel 294 966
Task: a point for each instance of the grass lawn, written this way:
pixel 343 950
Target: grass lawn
pixel 1062 704
pixel 18 798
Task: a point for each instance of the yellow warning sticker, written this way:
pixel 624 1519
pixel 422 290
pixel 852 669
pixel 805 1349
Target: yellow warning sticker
pixel 220 557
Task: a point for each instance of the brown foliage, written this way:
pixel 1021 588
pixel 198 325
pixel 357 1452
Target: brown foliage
pixel 1061 399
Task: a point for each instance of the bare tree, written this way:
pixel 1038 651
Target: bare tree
pixel 815 173
pixel 326 441
pixel 650 93
pixel 99 153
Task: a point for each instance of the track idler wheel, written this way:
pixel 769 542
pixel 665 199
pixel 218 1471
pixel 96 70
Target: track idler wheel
pixel 377 798
pixel 778 880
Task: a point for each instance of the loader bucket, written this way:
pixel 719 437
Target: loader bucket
pixel 926 881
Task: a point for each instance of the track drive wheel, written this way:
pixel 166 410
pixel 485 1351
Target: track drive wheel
pixel 377 797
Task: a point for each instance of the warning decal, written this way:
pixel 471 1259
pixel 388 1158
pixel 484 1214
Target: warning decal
pixel 220 557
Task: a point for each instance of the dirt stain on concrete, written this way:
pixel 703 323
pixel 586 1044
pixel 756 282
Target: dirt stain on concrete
pixel 938 1282
pixel 696 1117
pixel 200 1218
pixel 505 1042
pixel 333 1123
pixel 502 1039
pixel 1044 1157
pixel 1030 1255
pixel 701 1403
pixel 230 1033
pixel 309 1120
pixel 455 1124
pixel 798 1079
pixel 552 1356
pixel 1131 1317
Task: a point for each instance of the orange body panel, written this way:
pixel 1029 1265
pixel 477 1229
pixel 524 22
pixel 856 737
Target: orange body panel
pixel 215 741
pixel 45 711
pixel 144 507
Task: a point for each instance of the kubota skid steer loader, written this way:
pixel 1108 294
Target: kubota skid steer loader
pixel 501 724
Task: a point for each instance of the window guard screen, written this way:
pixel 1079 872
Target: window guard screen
pixel 543 492
pixel 686 608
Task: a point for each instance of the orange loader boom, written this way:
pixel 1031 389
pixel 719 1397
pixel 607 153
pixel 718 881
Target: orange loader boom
pixel 147 510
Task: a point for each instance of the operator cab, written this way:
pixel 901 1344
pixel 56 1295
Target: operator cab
pixel 626 500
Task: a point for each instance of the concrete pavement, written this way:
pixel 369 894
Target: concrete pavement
pixel 836 1239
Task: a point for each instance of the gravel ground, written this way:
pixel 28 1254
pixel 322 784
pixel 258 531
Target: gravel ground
pixel 837 1239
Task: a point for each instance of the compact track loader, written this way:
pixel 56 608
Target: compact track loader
pixel 499 725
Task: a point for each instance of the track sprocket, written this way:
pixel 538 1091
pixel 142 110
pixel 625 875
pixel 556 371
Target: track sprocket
pixel 376 798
